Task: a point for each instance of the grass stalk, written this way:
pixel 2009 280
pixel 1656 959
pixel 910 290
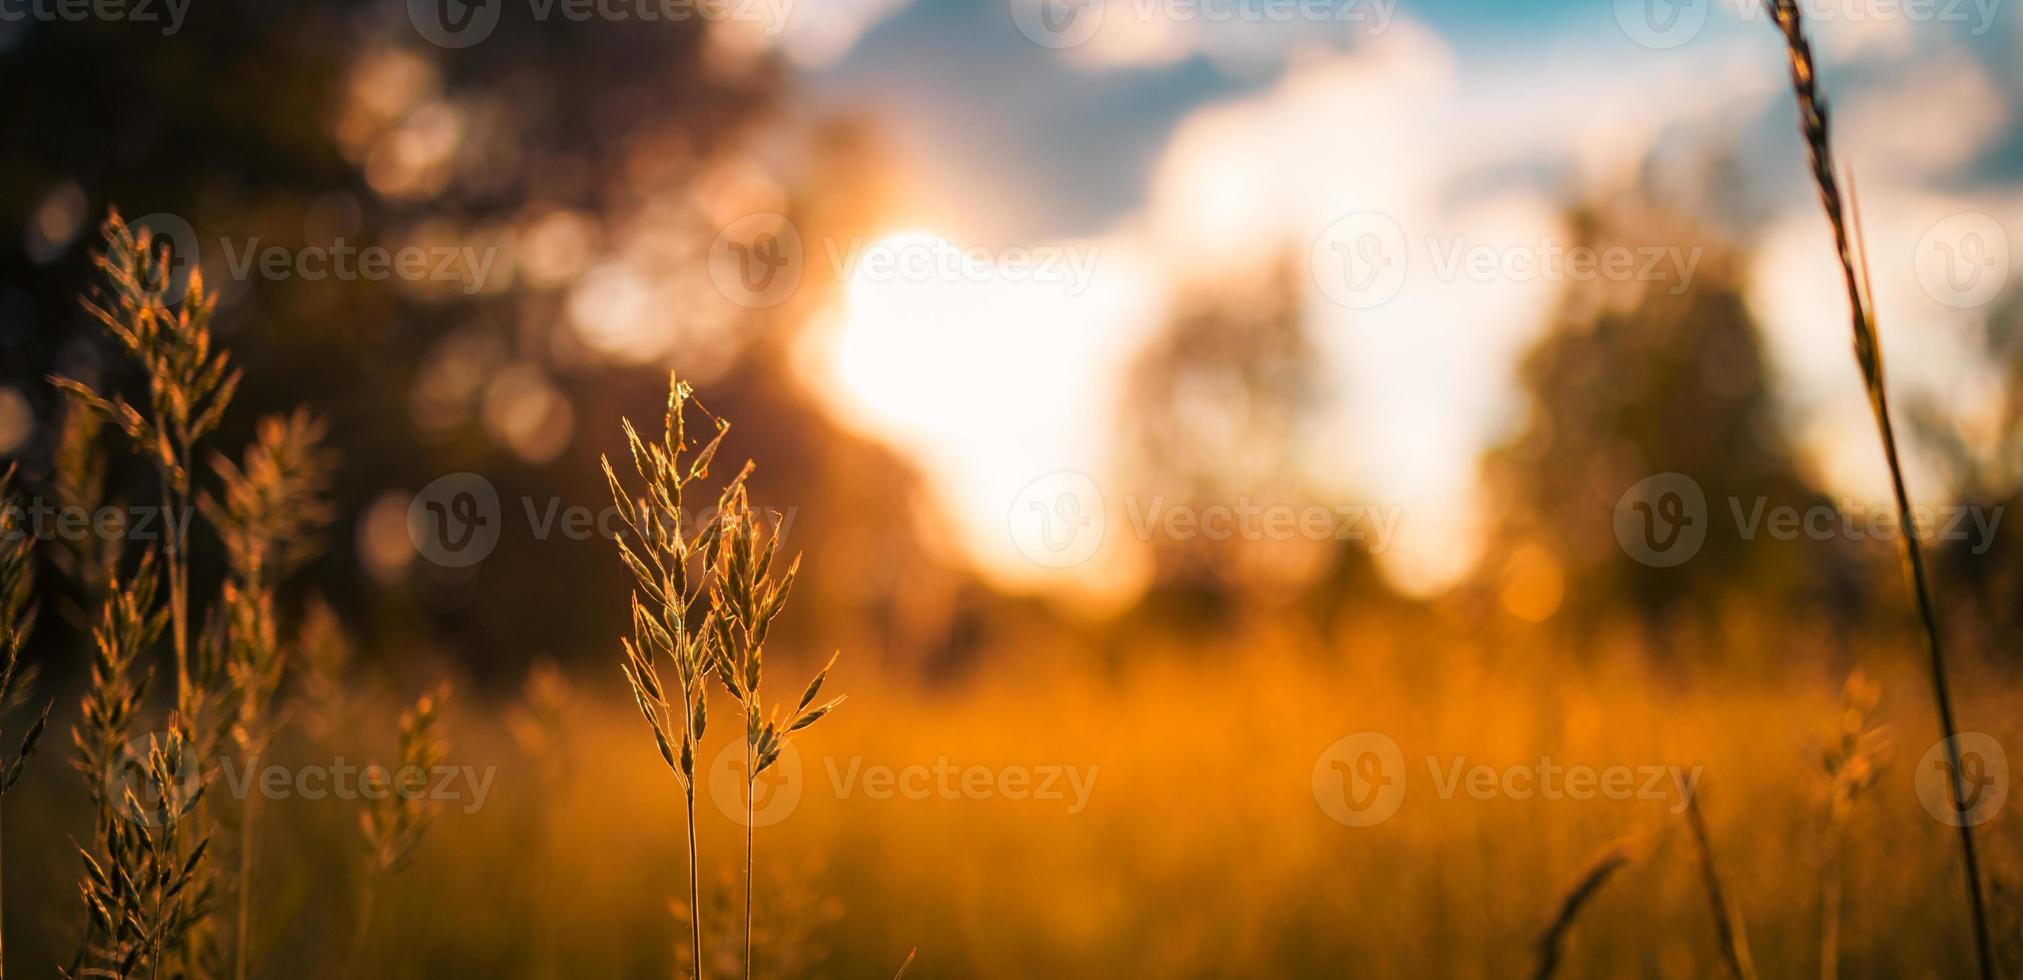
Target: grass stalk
pixel 177 566
pixel 243 960
pixel 1552 942
pixel 1728 926
pixel 751 789
pixel 694 888
pixel 730 559
pixel 1829 909
pixel 364 926
pixel 1843 215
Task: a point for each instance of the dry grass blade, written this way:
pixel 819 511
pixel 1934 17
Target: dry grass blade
pixel 189 387
pixel 1728 927
pixel 1552 942
pixel 669 569
pixel 731 558
pixel 395 820
pixel 147 891
pixel 1841 214
pixel 1850 767
pixel 17 618
pixel 228 676
pixel 745 597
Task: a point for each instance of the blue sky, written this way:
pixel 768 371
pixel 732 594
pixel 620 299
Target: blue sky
pixel 1472 123
pixel 1067 149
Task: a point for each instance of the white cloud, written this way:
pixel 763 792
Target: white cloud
pixel 992 388
pixel 1240 37
pixel 1929 345
pixel 813 34
pixel 1394 128
pixel 1927 123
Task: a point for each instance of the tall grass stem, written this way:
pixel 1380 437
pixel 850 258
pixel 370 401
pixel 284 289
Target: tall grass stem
pixel 1843 215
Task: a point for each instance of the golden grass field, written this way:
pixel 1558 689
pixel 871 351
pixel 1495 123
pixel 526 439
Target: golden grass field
pixel 1258 757
pixel 1202 851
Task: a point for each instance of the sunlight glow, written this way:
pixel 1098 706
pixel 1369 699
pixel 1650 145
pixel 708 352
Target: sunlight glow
pixel 992 378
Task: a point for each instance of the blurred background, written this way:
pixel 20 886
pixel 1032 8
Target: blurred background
pixel 1159 392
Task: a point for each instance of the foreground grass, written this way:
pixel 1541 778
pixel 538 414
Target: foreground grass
pixel 1199 849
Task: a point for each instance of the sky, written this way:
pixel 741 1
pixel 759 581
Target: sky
pixel 1096 164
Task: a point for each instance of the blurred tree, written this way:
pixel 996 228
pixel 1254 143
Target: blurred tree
pixel 551 150
pixel 1982 463
pixel 1636 379
pixel 1219 413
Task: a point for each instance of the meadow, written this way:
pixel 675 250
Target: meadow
pixel 290 727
